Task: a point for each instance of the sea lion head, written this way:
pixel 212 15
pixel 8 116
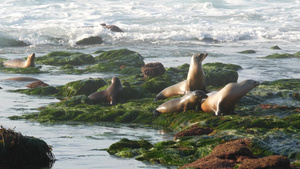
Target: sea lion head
pixel 30 60
pixel 199 94
pixel 199 57
pixel 116 81
pixel 249 84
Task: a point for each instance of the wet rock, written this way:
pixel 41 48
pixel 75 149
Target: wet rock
pixel 18 151
pixel 248 52
pixel 60 58
pixel 193 131
pixel 93 40
pixel 235 150
pixel 82 87
pixel 281 56
pixel 37 84
pixel 210 162
pixel 274 162
pixel 44 91
pixel 275 47
pixel 153 69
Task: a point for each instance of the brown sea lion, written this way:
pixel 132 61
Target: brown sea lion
pixel 187 102
pixel 21 63
pixel 223 101
pixel 196 77
pixel 194 81
pixel 23 79
pixel 112 28
pixel 109 94
pixel 176 89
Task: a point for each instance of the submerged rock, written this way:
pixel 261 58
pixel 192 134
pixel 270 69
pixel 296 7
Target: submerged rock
pixel 282 56
pixel 275 47
pixel 248 52
pixel 18 151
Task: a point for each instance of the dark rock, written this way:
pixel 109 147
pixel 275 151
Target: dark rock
pixel 275 47
pixel 93 40
pixel 270 162
pixel 153 69
pixel 193 131
pixel 248 52
pixel 112 28
pixel 37 84
pixel 210 162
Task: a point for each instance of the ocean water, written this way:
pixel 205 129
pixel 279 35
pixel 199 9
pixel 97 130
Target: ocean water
pixel 169 31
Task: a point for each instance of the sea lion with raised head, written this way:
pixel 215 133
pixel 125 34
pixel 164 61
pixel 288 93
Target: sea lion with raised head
pixel 195 80
pixel 223 101
pixel 196 77
pixel 187 102
pixel 109 94
pixel 112 28
pixel 21 63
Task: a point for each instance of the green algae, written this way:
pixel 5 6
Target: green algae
pixel 28 70
pixel 281 56
pixel 59 58
pixel 44 91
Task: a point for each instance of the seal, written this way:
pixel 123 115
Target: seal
pixel 176 89
pixel 223 101
pixel 112 28
pixel 196 77
pixel 22 79
pixel 187 102
pixel 195 80
pixel 109 94
pixel 21 63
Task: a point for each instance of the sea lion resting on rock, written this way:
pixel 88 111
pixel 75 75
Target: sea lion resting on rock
pixel 223 101
pixel 195 80
pixel 187 102
pixel 109 94
pixel 21 63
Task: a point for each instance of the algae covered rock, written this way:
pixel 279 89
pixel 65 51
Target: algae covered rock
pixel 18 151
pixel 28 70
pixel 281 56
pixel 275 47
pixel 63 58
pixel 126 145
pixel 82 87
pixel 120 61
pixel 45 91
pixel 248 52
pixel 93 40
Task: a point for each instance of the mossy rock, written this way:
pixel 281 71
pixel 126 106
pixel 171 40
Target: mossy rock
pixel 125 144
pixel 59 58
pixel 121 61
pixel 248 52
pixel 7 42
pixel 28 70
pixel 45 91
pixel 18 151
pixel 93 40
pixel 281 56
pixel 275 47
pixel 82 87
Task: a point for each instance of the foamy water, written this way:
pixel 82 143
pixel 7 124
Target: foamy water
pixel 168 31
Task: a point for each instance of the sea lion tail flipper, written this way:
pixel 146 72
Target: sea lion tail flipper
pixel 156 113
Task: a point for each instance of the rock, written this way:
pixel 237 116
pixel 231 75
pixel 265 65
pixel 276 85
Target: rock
pixel 193 131
pixel 235 150
pixel 248 52
pixel 281 56
pixel 153 69
pixel 61 58
pixel 270 162
pixel 93 40
pixel 112 28
pixel 37 84
pixel 275 47
pixel 211 162
pixel 18 151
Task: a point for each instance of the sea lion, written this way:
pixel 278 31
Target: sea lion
pixel 21 63
pixel 109 94
pixel 196 77
pixel 22 79
pixel 195 80
pixel 112 28
pixel 187 102
pixel 223 101
pixel 176 89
